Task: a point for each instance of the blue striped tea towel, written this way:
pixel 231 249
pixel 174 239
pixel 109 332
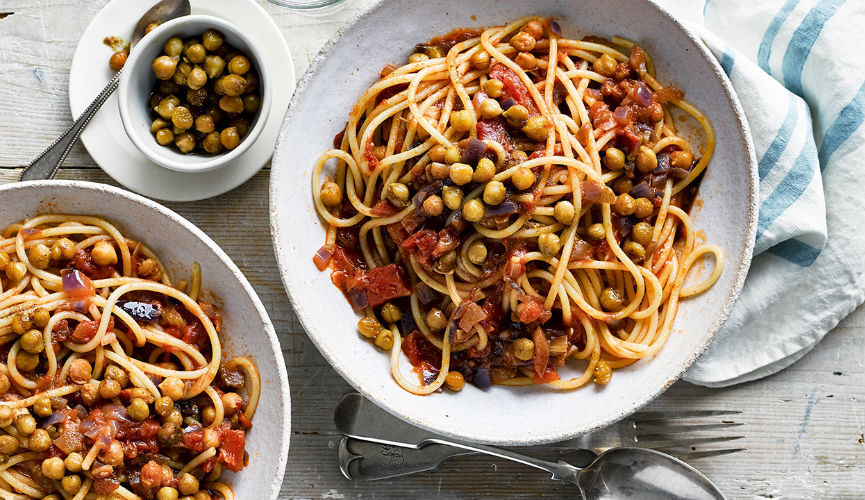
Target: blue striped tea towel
pixel 797 68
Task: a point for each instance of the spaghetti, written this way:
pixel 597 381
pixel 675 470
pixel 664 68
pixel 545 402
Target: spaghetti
pixel 112 378
pixel 511 200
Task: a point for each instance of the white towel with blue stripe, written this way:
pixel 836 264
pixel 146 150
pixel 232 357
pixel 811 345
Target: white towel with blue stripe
pixel 798 70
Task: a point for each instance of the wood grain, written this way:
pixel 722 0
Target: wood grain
pixel 804 426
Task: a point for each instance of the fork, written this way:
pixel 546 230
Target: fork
pixel 377 445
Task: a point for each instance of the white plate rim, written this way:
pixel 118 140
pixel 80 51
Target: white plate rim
pixel 741 267
pixel 119 158
pixel 150 205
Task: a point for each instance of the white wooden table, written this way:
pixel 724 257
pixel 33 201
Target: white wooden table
pixel 804 426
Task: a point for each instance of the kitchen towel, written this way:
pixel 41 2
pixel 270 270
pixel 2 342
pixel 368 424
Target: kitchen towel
pixel 797 68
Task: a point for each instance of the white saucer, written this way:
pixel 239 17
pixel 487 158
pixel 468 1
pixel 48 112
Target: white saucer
pixel 104 137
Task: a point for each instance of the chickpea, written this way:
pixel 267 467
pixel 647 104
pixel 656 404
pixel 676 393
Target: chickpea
pixel 211 438
pixel 7 416
pixel 398 194
pixel 233 85
pixel 71 484
pixel 452 155
pixel 214 66
pixel 494 193
pixel 439 170
pixel 564 212
pixel 109 389
pixel 231 104
pixel 4 260
pixel 523 348
pixel 25 424
pixel 605 65
pixel 39 256
pixel 89 394
pixel 197 78
pixel 5 385
pixel 212 40
pixel 196 53
pixel 623 185
pixel 436 320
pixel 207 416
pixel 251 103
pixel 164 67
pixel 80 371
pixel 164 405
pixel 232 402
pixel 16 271
pixel 462 120
pixel 384 339
pixel 477 252
pixel 536 128
pixel 238 65
pixel 634 250
pixel 73 462
pixel 53 468
pixel 523 41
pixel 103 254
pixel 642 233
pixel 446 263
pixel 610 299
pixel 22 322
pixel 185 142
pixel 534 28
pixel 164 137
pixel 204 124
pixel 549 244
pixel 681 159
pixel 485 171
pixel 113 456
pixel 166 493
pixel 455 381
pixel 646 160
pixel 643 208
pixel 603 373
pixel 229 138
pixel 42 407
pixel 433 205
pixel 490 108
pixel 461 174
pixel 172 387
pixel 212 143
pixel 418 57
pixel 437 153
pixel 523 178
pixel 114 372
pixel 624 204
pixel 27 361
pixel 656 112
pixel 166 106
pixel 173 47
pixel 157 124
pixel 614 159
pixel 452 197
pixel 138 409
pixel 150 27
pixel 8 444
pixel 188 484
pixel 494 88
pixel 481 60
pixel 368 326
pixel 390 312
pixel 526 61
pixel 473 211
pixel 331 194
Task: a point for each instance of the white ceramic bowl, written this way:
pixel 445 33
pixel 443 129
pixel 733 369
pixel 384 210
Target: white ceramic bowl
pixel 137 79
pixel 246 326
pixel 387 33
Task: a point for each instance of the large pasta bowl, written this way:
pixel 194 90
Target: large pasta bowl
pixel 725 214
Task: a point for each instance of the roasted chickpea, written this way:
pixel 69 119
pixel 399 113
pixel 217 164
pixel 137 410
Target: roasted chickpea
pixel 62 249
pixel 109 388
pixel 494 88
pixel 32 342
pixel 634 250
pixel 452 197
pixel 172 387
pixel 331 194
pixel 8 444
pixel 164 137
pixel 549 244
pixel 22 322
pixel 157 125
pixel 173 47
pixel 229 137
pixel 196 53
pixel 197 78
pixel 4 260
pixel 113 456
pixel 523 349
pixel 164 67
pixel 40 441
pixel 89 394
pixel 455 381
pixel 564 212
pixel 436 320
pixel 643 208
pixel 418 57
pixel 103 253
pixel 184 68
pixel 204 124
pixel 642 233
pixel 208 415
pixel 477 252
pixel 212 40
pixel 39 256
pixel 438 170
pixel 490 108
pixel 536 128
pixel 73 462
pixel 384 339
pixel 463 120
pixel 7 417
pixel 461 174
pixel 188 484
pixel 452 155
pixel 614 159
pixel 251 103
pixel 368 326
pixel 16 271
pixel 646 160
pixel 605 65
pixel 80 371
pixel 118 59
pixel 212 143
pixel 526 61
pixel 494 193
pixel 238 65
pixel 610 299
pixel 446 263
pixel 624 204
pixel 481 60
pixel 433 205
pixel 534 28
pixel 473 211
pixel 623 185
pixel 214 66
pixel 71 484
pixel 166 106
pixel 681 159
pixel 25 424
pixel 185 142
pixel 233 85
pixel 522 41
pixel 523 178
pixel 398 194
pixel 596 231
pixel 231 104
pixel 485 171
pixel 27 361
pixel 53 468
pixel 166 493
pixel 603 373
pixel 656 112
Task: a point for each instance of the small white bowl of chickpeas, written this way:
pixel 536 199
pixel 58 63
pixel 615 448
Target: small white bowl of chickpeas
pixel 193 95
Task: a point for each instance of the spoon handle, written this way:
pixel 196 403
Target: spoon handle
pixel 45 165
pixel 560 470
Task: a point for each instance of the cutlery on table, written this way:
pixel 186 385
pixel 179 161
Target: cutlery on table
pixel 616 473
pixel 404 454
pixel 45 165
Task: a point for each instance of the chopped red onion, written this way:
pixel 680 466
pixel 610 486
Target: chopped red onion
pixel 506 207
pixel 643 95
pixel 555 28
pixel 322 257
pixel 678 173
pixel 357 299
pixel 473 151
pixel 597 193
pixel 642 190
pixel 507 104
pixel 481 378
pixel 76 284
pixel 54 418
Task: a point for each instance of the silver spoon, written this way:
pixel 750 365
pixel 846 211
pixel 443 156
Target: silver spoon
pixel 619 473
pixel 45 165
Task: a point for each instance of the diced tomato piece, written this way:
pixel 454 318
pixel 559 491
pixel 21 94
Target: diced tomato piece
pixel 369 156
pixel 379 285
pixel 232 448
pixel 383 209
pixel 420 351
pixel 194 440
pixel 86 330
pixel 513 87
pixel 495 130
pixel 421 245
pixel 548 376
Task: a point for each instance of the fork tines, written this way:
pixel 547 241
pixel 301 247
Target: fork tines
pixel 644 416
pixel 652 429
